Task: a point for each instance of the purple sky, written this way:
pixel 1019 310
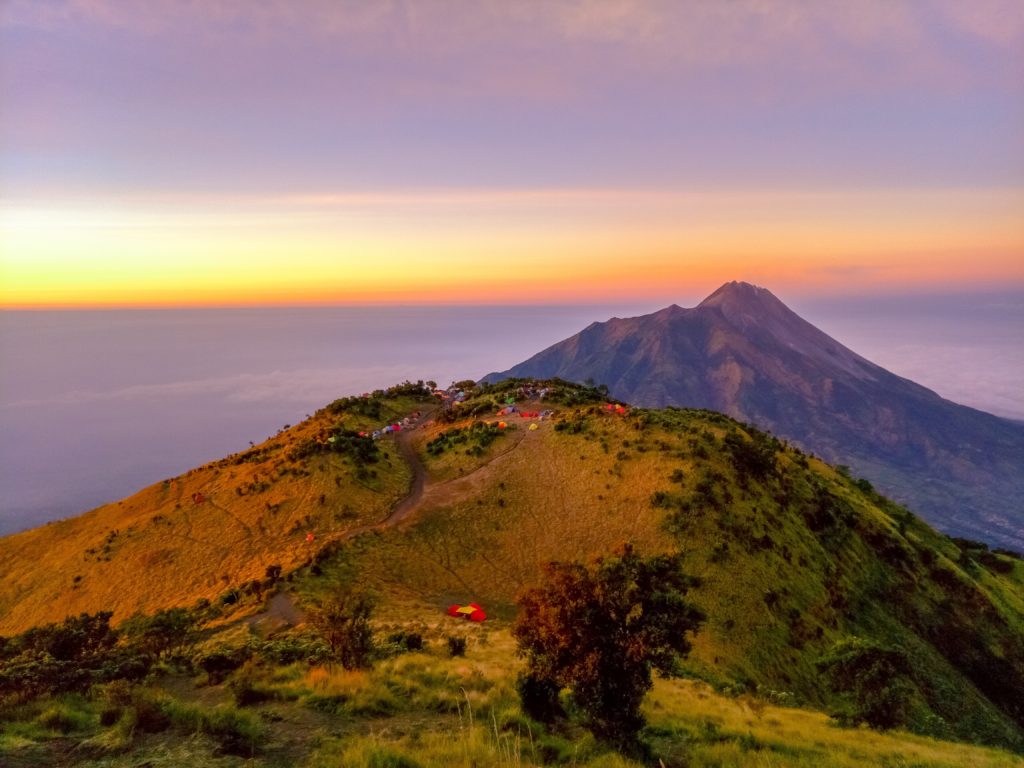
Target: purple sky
pixel 291 96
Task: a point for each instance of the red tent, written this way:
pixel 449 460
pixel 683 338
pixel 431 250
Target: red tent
pixel 473 612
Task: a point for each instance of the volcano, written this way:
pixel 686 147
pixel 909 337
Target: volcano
pixel 743 352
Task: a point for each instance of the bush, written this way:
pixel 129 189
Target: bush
pixel 165 632
pixel 456 646
pixel 73 655
pixel 341 615
pixel 874 680
pixel 219 663
pixel 406 641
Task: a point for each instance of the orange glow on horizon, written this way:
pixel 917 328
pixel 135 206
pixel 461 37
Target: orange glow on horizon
pixel 535 247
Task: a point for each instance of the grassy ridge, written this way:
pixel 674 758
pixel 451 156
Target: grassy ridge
pixel 795 559
pixel 158 548
pixel 794 556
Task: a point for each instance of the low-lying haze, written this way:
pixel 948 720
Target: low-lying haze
pixel 96 404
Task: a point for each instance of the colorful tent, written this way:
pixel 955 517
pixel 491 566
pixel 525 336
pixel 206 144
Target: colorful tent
pixel 473 612
pixel 310 537
pixel 533 427
pixel 502 425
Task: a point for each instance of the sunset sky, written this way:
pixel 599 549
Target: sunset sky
pixel 233 152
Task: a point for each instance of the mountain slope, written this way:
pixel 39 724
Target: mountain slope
pixel 160 548
pixel 793 556
pixel 744 353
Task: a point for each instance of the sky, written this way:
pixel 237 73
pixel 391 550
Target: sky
pixel 480 151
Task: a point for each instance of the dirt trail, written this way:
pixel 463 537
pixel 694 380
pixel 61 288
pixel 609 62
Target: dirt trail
pixel 419 480
pixel 281 606
pixel 421 493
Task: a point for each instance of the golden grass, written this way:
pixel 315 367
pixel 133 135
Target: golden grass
pixel 746 731
pixel 158 549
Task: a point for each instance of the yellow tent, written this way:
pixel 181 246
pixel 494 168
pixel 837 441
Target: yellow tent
pixel 533 427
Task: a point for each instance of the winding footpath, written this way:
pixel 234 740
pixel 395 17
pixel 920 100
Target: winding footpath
pixel 421 493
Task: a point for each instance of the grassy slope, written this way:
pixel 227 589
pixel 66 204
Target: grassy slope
pixel 427 710
pixel 778 590
pixel 778 593
pixel 158 549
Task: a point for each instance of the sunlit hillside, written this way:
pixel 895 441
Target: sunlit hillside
pixel 794 558
pixel 211 529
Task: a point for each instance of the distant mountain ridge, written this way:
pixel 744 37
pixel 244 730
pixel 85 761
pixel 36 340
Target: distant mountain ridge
pixel 743 352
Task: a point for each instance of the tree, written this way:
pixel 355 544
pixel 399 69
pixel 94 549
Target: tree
pixel 600 629
pixel 341 614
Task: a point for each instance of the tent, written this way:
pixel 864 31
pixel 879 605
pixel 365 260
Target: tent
pixel 533 427
pixel 310 537
pixel 502 425
pixel 472 611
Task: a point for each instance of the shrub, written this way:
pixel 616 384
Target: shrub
pixel 754 457
pixel 165 632
pixel 406 641
pixel 874 680
pixel 217 664
pixel 456 646
pixel 342 617
pixel 68 656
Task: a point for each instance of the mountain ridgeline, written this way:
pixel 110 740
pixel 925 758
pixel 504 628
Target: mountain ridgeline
pixel 744 353
pixel 801 568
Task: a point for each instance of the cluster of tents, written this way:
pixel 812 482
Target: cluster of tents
pixel 616 408
pixel 450 396
pixel 508 410
pixel 407 423
pixel 471 612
